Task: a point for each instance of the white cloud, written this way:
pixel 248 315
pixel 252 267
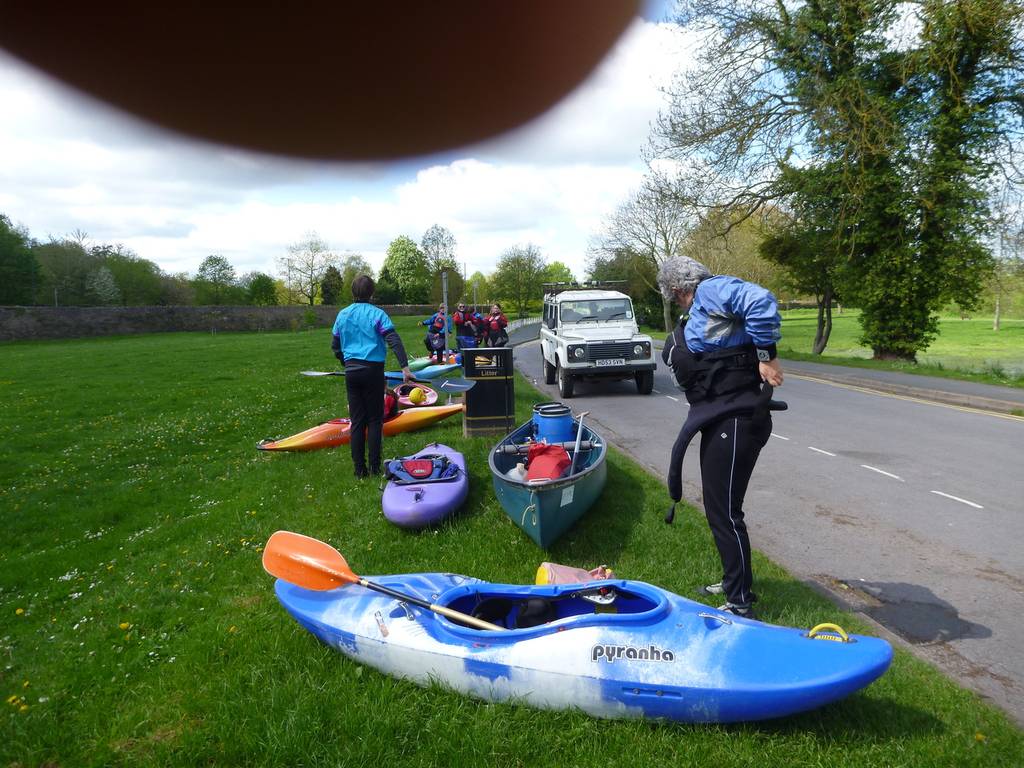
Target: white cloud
pixel 68 162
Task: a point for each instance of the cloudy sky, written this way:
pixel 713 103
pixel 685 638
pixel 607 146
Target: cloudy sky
pixel 68 163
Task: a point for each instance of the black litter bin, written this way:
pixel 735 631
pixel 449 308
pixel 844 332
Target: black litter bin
pixel 491 404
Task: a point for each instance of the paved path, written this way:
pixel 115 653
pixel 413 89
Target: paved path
pixel 906 510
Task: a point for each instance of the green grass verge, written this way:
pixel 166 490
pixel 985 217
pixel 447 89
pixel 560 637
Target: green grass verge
pixel 140 629
pixel 968 350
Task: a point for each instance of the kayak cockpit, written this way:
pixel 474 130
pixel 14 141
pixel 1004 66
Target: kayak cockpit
pixel 532 610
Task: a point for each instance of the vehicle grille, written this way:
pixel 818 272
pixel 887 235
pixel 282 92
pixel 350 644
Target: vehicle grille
pixel 606 351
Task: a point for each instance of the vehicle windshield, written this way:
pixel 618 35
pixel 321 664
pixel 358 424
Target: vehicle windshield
pixel 596 310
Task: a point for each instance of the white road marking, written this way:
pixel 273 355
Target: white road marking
pixel 656 391
pixel 675 399
pixel 957 498
pixel 779 436
pixel 882 472
pixel 820 451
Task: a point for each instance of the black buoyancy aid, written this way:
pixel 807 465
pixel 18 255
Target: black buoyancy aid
pixel 710 374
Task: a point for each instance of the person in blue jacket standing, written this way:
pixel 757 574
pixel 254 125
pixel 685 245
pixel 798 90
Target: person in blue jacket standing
pixel 358 340
pixel 439 327
pixel 723 356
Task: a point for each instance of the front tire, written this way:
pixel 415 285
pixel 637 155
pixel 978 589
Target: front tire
pixel 644 382
pixel 565 383
pixel 549 370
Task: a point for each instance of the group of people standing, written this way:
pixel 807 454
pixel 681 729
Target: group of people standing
pixel 465 324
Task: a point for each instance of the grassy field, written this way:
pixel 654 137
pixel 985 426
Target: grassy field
pixel 965 349
pixel 140 629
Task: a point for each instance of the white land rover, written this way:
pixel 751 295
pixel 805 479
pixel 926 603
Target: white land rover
pixel 592 334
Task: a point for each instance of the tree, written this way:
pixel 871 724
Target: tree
pixel 65 268
pixel 910 131
pixel 332 285
pixel 304 264
pixel 214 279
pixel 478 288
pixel 638 273
pixel 260 289
pixel 517 277
pixel 557 272
pixel 352 266
pixel 103 288
pixel 652 224
pixel 438 246
pixel 19 269
pixel 176 290
pixel 456 287
pixel 387 289
pixel 139 281
pixel 407 266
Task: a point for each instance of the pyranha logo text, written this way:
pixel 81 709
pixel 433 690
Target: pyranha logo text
pixel 611 653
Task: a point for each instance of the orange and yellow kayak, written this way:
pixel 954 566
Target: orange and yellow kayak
pixel 337 431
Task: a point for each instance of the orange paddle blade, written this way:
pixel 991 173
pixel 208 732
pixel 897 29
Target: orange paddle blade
pixel 306 562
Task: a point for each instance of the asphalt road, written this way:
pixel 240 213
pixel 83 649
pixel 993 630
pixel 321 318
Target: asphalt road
pixel 909 511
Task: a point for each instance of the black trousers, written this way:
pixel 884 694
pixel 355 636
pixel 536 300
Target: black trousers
pixel 365 387
pixel 728 452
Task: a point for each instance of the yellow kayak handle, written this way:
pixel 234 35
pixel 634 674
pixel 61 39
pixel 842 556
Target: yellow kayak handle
pixel 817 633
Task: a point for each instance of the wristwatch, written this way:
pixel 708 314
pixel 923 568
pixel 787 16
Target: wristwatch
pixel 766 354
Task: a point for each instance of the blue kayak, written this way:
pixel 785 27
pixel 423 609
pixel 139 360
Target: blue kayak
pixel 613 649
pixel 430 372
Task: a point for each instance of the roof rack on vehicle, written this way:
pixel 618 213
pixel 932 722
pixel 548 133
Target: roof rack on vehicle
pixel 551 289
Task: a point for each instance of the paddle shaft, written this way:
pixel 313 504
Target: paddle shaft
pixel 463 618
pixel 349 577
pixel 579 436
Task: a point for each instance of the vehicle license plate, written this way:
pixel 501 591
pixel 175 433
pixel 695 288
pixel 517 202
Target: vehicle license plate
pixel 612 361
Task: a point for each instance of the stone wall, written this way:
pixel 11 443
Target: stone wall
pixel 33 323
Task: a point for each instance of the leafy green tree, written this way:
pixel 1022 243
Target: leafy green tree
pixel 517 277
pixel 176 290
pixel 352 266
pixel 387 289
pixel 637 273
pixel 407 266
pixel 478 289
pixel 19 270
pixel 214 280
pixel 139 281
pixel 65 268
pixel 456 287
pixel 557 272
pixel 911 128
pixel 331 287
pixel 260 289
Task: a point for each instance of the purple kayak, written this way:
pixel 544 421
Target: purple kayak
pixel 426 487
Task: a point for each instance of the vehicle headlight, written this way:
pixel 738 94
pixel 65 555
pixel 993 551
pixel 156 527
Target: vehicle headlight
pixel 638 351
pixel 579 353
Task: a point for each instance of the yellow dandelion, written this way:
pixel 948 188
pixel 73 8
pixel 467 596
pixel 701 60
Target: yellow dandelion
pixel 979 736
pixel 232 628
pixel 25 684
pixel 13 698
pixel 23 708
pixel 123 625
pixel 19 611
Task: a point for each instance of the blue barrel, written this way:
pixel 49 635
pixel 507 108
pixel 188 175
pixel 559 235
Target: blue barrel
pixel 553 422
pixel 465 342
